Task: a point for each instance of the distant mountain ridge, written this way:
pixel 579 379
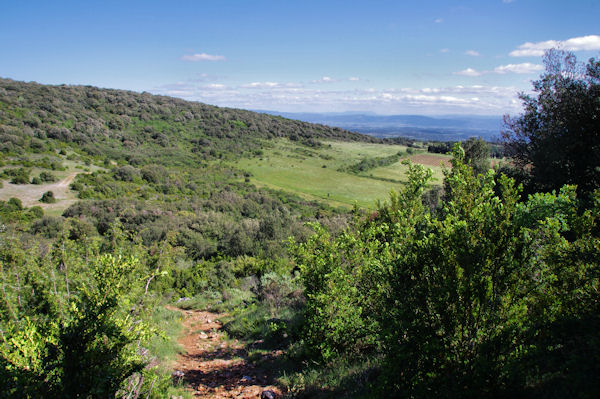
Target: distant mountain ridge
pixel 420 127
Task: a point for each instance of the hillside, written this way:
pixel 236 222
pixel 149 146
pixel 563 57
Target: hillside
pixel 131 222
pixel 146 203
pixel 74 129
pixel 139 127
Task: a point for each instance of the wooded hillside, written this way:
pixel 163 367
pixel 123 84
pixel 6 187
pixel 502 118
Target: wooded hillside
pixel 139 127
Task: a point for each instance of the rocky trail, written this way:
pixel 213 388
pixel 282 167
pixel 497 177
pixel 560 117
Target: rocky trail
pixel 211 366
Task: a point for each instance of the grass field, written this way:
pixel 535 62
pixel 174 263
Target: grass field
pixel 314 173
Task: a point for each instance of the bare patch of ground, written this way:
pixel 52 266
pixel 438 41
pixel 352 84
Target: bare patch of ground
pixel 430 160
pixel 30 194
pixel 213 367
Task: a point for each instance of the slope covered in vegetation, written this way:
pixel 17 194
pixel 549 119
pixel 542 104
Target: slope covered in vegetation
pixel 158 216
pixel 140 128
pixel 474 289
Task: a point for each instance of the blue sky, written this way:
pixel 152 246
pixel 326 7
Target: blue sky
pixel 388 57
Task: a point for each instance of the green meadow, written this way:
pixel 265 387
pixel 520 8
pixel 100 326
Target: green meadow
pixel 314 173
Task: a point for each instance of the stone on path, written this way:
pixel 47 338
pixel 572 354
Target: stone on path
pixel 268 394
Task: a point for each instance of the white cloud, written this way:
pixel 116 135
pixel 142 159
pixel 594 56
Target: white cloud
pixel 528 49
pixel 202 57
pixel 325 79
pixel 214 86
pixel 354 79
pixel 260 85
pixel 472 53
pixel 469 72
pixel 444 50
pixel 507 1
pixel 522 68
pixel 525 67
pixel 269 85
pixel 280 96
pixel 439 20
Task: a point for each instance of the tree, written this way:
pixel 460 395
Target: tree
pixel 477 153
pixel 556 140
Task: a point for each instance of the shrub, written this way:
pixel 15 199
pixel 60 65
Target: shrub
pixel 15 204
pixel 48 198
pixel 86 351
pixel 489 297
pixel 47 177
pixel 48 226
pixel 36 211
pixel 19 176
pixel 126 173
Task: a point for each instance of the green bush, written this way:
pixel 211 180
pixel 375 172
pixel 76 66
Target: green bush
pixel 48 226
pixel 47 177
pixel 15 204
pixel 36 211
pixel 89 351
pixel 48 198
pixel 474 301
pixel 18 176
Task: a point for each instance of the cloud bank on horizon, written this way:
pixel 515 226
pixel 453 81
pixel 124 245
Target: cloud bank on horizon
pixel 305 96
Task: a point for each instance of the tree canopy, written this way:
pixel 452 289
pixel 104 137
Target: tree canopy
pixel 556 140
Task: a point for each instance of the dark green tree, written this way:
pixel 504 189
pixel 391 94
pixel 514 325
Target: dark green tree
pixel 556 140
pixel 477 153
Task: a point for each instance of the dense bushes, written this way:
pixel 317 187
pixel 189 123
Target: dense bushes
pixel 367 163
pixel 13 211
pixel 209 218
pixel 138 128
pixel 440 147
pixel 475 301
pixel 75 318
pixel 17 175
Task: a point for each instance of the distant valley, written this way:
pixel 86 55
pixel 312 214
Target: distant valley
pixel 419 127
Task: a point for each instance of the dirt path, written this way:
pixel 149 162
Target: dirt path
pixel 67 181
pixel 213 367
pixel 30 194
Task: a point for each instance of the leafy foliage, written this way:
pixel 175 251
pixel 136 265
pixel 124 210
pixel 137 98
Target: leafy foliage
pixel 556 140
pixel 78 343
pixel 138 128
pixel 457 303
pixel 366 163
pixel 48 198
pixel 477 154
